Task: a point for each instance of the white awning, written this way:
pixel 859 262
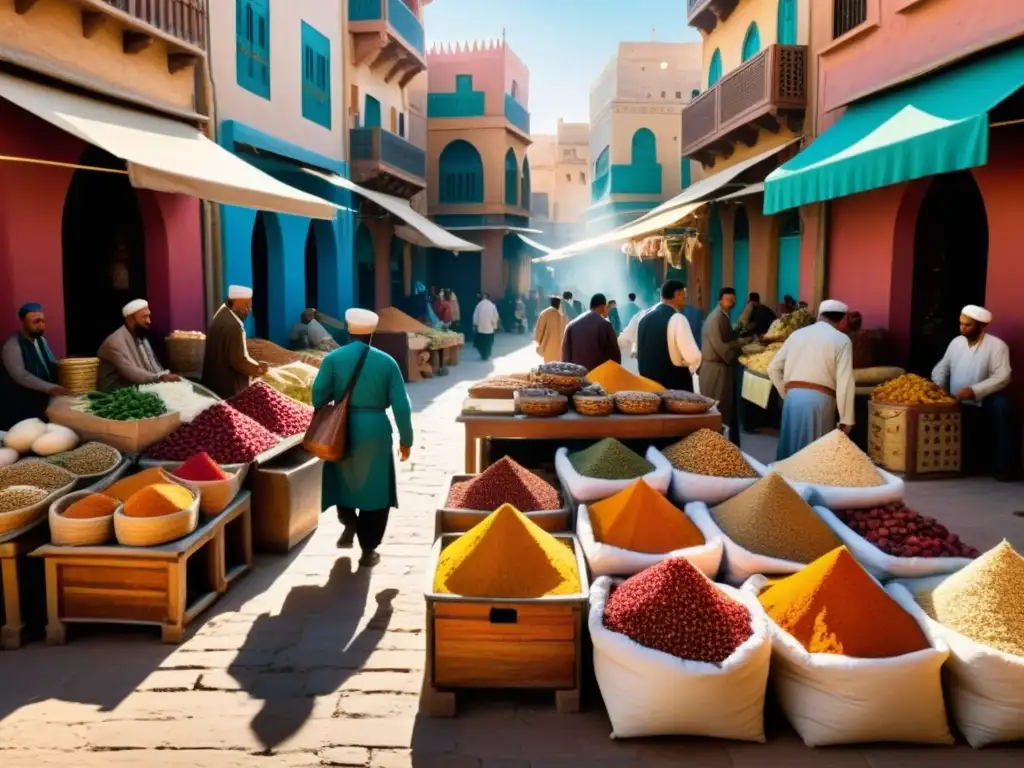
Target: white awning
pixel 534 244
pixel 163 154
pixel 753 189
pixel 497 228
pixel 421 230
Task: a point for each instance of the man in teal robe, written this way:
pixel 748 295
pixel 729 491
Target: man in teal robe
pixel 363 485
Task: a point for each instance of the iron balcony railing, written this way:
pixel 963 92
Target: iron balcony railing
pixel 378 145
pixel 396 13
pixel 847 15
pixel 183 19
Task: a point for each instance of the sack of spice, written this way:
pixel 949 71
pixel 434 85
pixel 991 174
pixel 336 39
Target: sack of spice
pixel 607 467
pixel 977 612
pixel 711 677
pixel 637 528
pixel 707 467
pixel 850 664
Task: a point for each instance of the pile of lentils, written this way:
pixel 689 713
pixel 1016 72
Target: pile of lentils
pixel 89 459
pixel 272 410
pixel 831 460
pixel 770 518
pixel 706 452
pixel 36 473
pixel 229 437
pixel 505 482
pixel 17 497
pixel 610 460
pixel 673 608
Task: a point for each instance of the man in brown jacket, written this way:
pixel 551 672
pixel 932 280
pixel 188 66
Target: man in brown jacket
pixel 550 329
pixel 590 340
pixel 227 367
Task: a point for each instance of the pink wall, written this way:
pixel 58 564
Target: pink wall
pixel 492 65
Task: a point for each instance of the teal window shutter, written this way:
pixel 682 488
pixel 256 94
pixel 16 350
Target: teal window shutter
pixel 751 42
pixel 252 46
pixel 715 68
pixel 787 22
pixel 644 148
pixel 316 76
pixel 460 172
pixel 684 173
pixel 401 124
pixel 463 83
pixel 371 114
pixel 511 178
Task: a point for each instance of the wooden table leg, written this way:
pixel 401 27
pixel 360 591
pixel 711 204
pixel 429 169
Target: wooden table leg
pixel 217 562
pixel 471 454
pixel 173 629
pixel 56 631
pixel 10 633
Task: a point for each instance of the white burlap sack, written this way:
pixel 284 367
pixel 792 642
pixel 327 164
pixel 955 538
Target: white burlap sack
pixel 687 486
pixel 587 489
pixel 650 693
pixel 985 686
pixel 606 560
pixel 831 699
pixel 837 497
pixel 885 567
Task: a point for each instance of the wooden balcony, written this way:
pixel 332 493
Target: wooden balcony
pixel 763 93
pixel 388 37
pixel 385 162
pixel 705 14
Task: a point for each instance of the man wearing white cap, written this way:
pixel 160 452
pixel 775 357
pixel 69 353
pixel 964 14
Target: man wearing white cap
pixel 976 371
pixel 813 373
pixel 363 485
pixel 126 357
pixel 227 367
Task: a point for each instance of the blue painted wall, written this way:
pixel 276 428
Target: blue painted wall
pixel 740 260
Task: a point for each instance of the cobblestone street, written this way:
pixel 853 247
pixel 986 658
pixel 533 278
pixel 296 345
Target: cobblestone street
pixel 310 661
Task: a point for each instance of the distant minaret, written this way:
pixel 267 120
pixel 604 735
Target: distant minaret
pixel 653 35
pixel 502 37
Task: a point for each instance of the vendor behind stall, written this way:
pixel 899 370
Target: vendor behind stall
pixel 665 347
pixel 720 350
pixel 126 357
pixel 227 367
pixel 28 376
pixel 976 371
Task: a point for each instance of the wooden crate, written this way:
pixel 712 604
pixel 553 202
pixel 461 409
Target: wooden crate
pixel 915 439
pixel 286 499
pixel 166 586
pixel 500 643
pixel 562 520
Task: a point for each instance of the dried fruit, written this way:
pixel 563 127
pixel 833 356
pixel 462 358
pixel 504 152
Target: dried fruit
pixel 899 531
pixel 273 410
pixel 911 389
pixel 229 437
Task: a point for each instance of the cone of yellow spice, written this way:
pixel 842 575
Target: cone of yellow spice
pixel 124 489
pixel 614 378
pixel 507 555
pixel 640 519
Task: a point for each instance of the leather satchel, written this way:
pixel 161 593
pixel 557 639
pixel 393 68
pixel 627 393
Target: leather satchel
pixel 327 436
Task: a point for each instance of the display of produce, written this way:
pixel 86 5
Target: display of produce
pixel 124 489
pixel 441 339
pixel 294 380
pixel 392 320
pixel 770 518
pixel 759 361
pixel 610 460
pixel 15 497
pixel 180 396
pixel 21 436
pixel 201 469
pixel 637 403
pixel 228 436
pixel 497 387
pixel 158 500
pixel 92 506
pixel 900 531
pixel 504 482
pixel 911 389
pixel 673 608
pixel 93 458
pixel 507 555
pixel 56 439
pixel 786 325
pixel 831 460
pixel 37 473
pixel 8 456
pixel 706 452
pixel 613 377
pixel 983 600
pixel 640 519
pixel 272 410
pixel 834 606
pixel 128 404
pixel 570 370
pixel 193 335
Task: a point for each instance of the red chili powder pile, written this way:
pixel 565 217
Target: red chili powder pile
pixel 201 469
pixel 504 482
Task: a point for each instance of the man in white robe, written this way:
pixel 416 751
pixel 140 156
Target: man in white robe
pixel 486 321
pixel 126 357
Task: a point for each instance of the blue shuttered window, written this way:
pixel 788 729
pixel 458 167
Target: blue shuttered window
pixel 252 46
pixel 316 76
pixel 460 172
pixel 751 42
pixel 715 68
pixel 787 23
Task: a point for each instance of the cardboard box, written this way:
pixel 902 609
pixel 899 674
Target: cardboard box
pixel 126 436
pixel 915 439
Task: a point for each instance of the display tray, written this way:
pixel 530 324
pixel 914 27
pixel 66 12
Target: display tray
pixel 502 643
pixel 449 520
pixel 166 585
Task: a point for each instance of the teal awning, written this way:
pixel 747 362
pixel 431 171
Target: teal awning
pixel 935 126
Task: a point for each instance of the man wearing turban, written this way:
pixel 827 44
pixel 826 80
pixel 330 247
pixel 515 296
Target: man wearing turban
pixel 28 376
pixel 126 356
pixel 227 367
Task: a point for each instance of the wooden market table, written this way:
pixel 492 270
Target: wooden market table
pixel 166 585
pixel 14 546
pixel 572 426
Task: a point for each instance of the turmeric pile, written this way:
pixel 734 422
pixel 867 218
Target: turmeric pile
pixel 122 490
pixel 640 519
pixel 614 378
pixel 834 606
pixel 92 506
pixel 507 555
pixel 158 500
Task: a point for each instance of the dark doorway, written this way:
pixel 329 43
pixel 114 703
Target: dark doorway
pixel 260 278
pixel 950 265
pixel 365 272
pixel 312 269
pixel 104 252
pixel 459 272
pixel 396 264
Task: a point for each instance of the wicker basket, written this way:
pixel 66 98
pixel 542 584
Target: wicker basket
pixel 554 405
pixel 185 354
pixel 594 405
pixel 70 532
pixel 216 495
pixel 637 403
pixel 685 403
pixel 78 374
pixel 566 385
pixel 153 531
pixel 17 519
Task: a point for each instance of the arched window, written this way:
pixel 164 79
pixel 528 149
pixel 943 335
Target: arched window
pixel 787 22
pixel 601 164
pixel 515 90
pixel 526 193
pixel 511 178
pixel 752 41
pixel 644 149
pixel 460 174
pixel 715 68
pixel 694 93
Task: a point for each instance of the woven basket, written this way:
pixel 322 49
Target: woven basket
pixel 185 355
pixel 216 495
pixel 686 403
pixel 17 519
pixel 542 406
pixel 593 405
pixel 566 385
pixel 153 531
pixel 637 403
pixel 69 532
pixel 78 374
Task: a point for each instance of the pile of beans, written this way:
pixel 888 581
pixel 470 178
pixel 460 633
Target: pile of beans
pixel 272 410
pixel 610 460
pixel 37 473
pixel 17 497
pixel 831 460
pixel 229 437
pixel 89 459
pixel 900 531
pixel 706 452
pixel 505 482
pixel 673 608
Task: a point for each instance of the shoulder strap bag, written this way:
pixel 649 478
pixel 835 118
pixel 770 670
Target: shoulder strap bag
pixel 327 436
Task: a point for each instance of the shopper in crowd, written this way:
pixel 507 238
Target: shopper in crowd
pixel 577 307
pixel 363 486
pixel 628 337
pixel 443 309
pixel 694 316
pixel 813 372
pixel 613 316
pixel 976 371
pixel 666 349
pixel 590 340
pixel 549 332
pixel 720 351
pixel 126 356
pixel 788 305
pixel 453 301
pixel 568 306
pixel 486 322
pixel 227 367
pixel 28 376
pixel 520 314
pixel 317 337
pixel 756 318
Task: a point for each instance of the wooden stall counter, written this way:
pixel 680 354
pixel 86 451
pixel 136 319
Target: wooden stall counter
pixel 166 586
pixel 14 546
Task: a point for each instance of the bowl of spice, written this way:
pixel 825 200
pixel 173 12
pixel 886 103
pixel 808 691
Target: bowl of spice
pixel 634 403
pixel 157 514
pixel 83 519
pixel 27 488
pixel 217 486
pixel 707 467
pixel 607 467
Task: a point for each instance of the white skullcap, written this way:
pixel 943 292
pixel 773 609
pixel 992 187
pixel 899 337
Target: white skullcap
pixel 361 322
pixel 979 314
pixel 239 292
pixel 132 307
pixel 831 305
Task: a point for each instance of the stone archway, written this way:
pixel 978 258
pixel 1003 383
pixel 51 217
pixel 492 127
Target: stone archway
pixel 321 254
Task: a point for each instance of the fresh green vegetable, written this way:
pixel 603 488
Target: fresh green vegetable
pixel 128 404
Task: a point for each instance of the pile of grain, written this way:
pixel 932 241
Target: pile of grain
pixel 89 459
pixel 831 460
pixel 396 321
pixel 610 460
pixel 15 497
pixel 36 473
pixel 706 452
pixel 640 519
pixel 504 482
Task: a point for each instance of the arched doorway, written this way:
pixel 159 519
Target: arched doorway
pixel 511 178
pixel 715 234
pixel 789 255
pixel 104 252
pixel 950 265
pixel 261 277
pixel 460 174
pixel 312 273
pixel 365 270
pixel 740 258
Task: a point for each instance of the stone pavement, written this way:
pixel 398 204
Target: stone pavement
pixel 310 661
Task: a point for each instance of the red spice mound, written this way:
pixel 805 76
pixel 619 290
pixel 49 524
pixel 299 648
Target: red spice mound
pixel 201 469
pixel 269 408
pixel 673 608
pixel 900 531
pixel 229 437
pixel 504 483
